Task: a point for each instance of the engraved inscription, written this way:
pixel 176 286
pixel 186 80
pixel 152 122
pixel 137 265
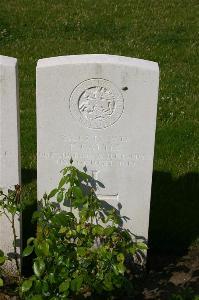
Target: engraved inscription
pixel 96 151
pixel 96 103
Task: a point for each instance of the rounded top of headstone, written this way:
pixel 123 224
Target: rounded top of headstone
pixel 7 61
pixel 97 58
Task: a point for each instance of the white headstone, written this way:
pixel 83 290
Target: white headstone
pixel 9 143
pixel 101 110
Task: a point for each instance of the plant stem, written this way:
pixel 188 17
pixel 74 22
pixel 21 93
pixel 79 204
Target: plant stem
pixel 7 216
pixel 15 243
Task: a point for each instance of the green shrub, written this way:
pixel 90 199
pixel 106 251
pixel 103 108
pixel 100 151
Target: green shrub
pixel 81 252
pixel 11 207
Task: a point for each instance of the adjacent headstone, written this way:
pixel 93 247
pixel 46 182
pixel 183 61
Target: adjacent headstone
pixel 101 111
pixel 9 143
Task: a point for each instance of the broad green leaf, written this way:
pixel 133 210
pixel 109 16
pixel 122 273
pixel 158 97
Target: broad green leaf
pixel 63 229
pixel 63 218
pixel 120 257
pixel 1 282
pixel 39 267
pixel 70 233
pixel 115 269
pixel 84 231
pixel 51 278
pixel 77 192
pixel 63 181
pixel 109 230
pixel 2 260
pixel 76 283
pixel 1 253
pixel 97 230
pixel 79 228
pixel 12 210
pixel 107 282
pixel 133 249
pixel 121 268
pixel 77 202
pixel 142 246
pixel 64 286
pixel 126 235
pixel 52 193
pixel 44 248
pixel 38 286
pixel 65 170
pixel 28 250
pixel 36 215
pixel 37 297
pixel 116 219
pixel 81 251
pixel 45 287
pixel 60 196
pixel 26 286
pixel 30 240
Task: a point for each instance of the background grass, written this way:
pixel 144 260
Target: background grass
pixel 158 30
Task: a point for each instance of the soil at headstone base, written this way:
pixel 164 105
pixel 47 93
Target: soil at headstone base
pixel 167 275
pixel 8 292
pixel 171 275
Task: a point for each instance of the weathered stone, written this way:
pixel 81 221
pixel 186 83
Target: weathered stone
pixel 9 144
pixel 101 111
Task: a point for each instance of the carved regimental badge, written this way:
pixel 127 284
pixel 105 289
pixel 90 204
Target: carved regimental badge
pixel 96 103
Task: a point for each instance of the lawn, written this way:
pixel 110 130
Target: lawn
pixel 157 30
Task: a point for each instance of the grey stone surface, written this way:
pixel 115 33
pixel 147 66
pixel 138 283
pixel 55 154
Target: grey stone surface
pixel 9 143
pixel 101 110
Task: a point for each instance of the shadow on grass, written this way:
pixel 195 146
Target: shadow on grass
pixel 28 175
pixel 174 221
pixel 174 216
pixel 172 266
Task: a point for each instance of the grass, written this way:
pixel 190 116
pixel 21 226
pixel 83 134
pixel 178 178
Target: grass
pixel 158 30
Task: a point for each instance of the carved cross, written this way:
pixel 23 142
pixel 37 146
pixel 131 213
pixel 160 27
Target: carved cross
pixel 101 196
